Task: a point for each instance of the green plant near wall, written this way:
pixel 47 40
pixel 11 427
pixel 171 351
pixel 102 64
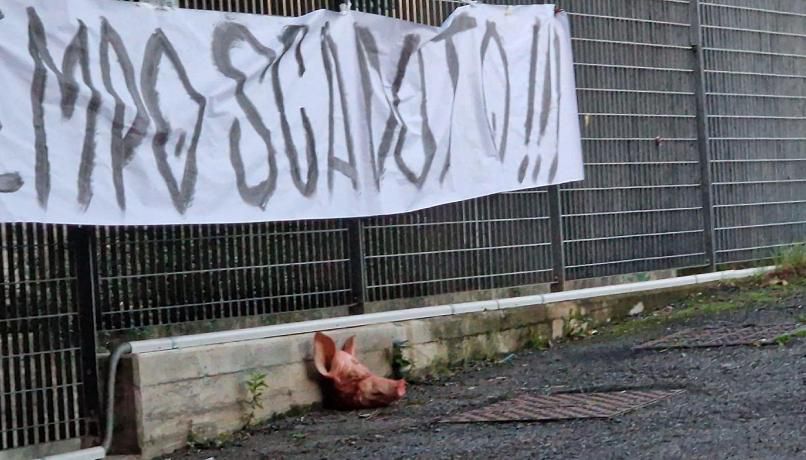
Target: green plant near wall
pixel 255 387
pixel 538 341
pixel 578 326
pixel 791 260
pixel 400 365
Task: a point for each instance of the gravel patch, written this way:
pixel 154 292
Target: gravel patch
pixel 740 402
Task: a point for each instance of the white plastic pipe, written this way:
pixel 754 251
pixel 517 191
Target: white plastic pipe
pixel 212 338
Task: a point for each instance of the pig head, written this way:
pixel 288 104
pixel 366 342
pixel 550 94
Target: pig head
pixel 351 385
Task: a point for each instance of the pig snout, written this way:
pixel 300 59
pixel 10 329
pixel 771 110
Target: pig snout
pixel 376 391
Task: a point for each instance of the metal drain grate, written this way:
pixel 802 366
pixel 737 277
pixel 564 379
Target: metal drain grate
pixel 720 337
pixel 567 406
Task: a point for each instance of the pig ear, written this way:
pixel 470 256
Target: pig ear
pixel 349 346
pixel 401 388
pixel 323 351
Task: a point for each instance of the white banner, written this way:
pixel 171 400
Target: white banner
pixel 119 113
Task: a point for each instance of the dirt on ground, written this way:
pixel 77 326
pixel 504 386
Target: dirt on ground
pixel 746 402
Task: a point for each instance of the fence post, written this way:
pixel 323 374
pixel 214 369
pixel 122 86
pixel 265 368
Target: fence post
pixel 703 142
pixel 82 242
pixel 556 228
pixel 358 267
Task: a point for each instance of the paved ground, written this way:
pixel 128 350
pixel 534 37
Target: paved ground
pixel 741 402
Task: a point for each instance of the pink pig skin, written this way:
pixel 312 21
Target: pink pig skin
pixel 352 385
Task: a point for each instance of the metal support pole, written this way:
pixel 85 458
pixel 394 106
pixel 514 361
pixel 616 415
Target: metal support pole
pixel 358 267
pixel 703 142
pixel 557 250
pixel 82 250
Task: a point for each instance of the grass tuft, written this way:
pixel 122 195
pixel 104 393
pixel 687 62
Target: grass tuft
pixel 791 260
pixel 786 338
pixel 714 301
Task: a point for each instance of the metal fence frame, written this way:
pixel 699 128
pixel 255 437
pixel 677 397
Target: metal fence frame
pixel 693 128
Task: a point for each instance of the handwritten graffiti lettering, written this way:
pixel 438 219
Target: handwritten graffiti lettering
pixel 76 53
pixel 369 57
pixel 491 35
pixel 291 38
pixel 209 118
pixel 122 145
pixel 557 79
pixel 226 36
pixel 10 182
pixel 530 107
pixel 428 141
pixel 462 23
pixel 330 58
pixel 159 46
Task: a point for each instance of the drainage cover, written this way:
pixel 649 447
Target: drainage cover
pixel 563 406
pixel 720 337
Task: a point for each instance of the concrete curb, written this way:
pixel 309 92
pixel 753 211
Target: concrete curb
pixel 305 327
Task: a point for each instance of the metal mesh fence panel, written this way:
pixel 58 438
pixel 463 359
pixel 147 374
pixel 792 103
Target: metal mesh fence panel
pixel 40 365
pixel 269 7
pixel 640 206
pixel 493 242
pixel 168 275
pixel 755 55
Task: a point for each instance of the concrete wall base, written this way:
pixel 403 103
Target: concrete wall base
pixel 168 396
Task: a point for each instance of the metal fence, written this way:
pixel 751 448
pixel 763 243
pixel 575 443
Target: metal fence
pixel 178 274
pixel 694 124
pixel 641 205
pixel 755 75
pixel 48 388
